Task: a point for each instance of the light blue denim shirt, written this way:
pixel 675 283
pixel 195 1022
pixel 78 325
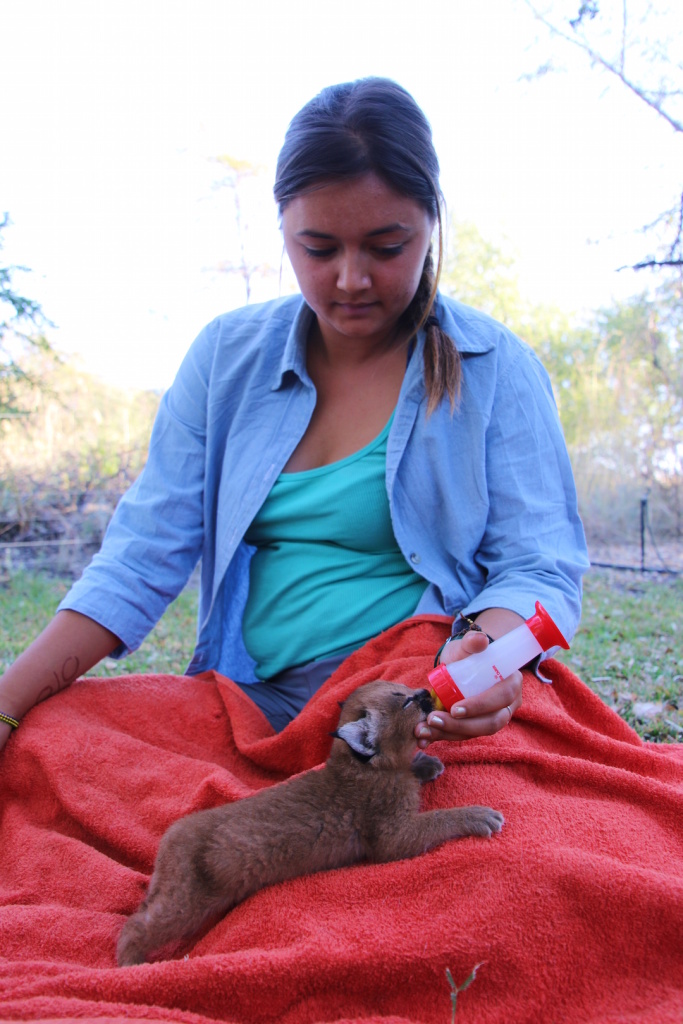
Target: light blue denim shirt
pixel 482 502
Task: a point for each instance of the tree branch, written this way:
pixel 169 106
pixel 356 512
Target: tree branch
pixel 613 69
pixel 652 263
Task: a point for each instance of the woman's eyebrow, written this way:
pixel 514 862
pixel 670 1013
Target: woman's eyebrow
pixel 313 234
pixel 386 230
pixel 396 226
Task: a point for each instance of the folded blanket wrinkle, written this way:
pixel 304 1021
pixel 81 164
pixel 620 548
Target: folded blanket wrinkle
pixel 575 911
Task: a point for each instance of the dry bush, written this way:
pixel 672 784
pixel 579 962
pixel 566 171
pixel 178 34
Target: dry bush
pixel 66 461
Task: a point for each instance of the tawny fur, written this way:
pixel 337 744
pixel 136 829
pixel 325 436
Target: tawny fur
pixel 362 805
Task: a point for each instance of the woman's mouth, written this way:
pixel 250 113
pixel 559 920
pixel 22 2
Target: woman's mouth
pixel 355 308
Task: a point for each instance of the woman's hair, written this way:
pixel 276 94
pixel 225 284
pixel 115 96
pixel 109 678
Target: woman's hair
pixel 375 126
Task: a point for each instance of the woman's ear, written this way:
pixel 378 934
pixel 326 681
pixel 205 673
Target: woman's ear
pixel 361 735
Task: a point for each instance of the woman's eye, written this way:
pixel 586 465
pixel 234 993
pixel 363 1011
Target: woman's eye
pixel 318 254
pixel 383 251
pixel 390 250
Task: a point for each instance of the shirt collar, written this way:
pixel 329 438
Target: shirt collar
pixel 469 329
pixel 293 357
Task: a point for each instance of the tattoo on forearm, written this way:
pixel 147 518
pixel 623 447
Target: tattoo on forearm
pixel 69 672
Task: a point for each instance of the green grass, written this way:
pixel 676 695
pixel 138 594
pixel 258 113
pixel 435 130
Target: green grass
pixel 628 648
pixel 28 602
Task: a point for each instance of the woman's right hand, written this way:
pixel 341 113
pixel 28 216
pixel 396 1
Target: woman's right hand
pixel 481 715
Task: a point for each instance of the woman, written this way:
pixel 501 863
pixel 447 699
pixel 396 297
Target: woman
pixel 339 460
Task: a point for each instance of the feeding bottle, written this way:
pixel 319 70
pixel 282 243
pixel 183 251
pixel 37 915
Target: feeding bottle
pixel 472 675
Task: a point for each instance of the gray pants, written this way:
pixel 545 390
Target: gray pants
pixel 282 698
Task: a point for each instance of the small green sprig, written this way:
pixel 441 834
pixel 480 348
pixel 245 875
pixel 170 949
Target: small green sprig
pixel 456 989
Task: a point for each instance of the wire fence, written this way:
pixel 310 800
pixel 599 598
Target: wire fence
pixel 55 530
pixel 70 553
pixel 646 533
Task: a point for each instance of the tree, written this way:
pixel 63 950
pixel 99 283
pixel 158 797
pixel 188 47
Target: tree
pixel 66 463
pixel 21 324
pixel 237 175
pixel 627 40
pixel 617 379
pixel 480 274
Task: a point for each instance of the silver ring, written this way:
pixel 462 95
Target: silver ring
pixel 509 711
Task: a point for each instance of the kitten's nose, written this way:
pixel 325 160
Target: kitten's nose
pixel 423 699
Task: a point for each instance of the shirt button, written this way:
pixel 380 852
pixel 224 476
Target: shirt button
pixel 415 558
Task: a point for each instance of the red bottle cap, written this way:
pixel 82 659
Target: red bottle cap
pixel 443 685
pixel 545 630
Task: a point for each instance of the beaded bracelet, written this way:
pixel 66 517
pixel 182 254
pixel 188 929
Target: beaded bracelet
pixel 472 627
pixel 8 720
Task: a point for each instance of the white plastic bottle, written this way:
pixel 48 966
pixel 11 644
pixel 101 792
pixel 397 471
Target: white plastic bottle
pixel 472 675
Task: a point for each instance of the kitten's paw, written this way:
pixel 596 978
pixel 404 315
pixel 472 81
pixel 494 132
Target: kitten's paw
pixel 483 821
pixel 426 767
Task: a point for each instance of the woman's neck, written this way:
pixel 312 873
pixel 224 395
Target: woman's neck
pixel 333 350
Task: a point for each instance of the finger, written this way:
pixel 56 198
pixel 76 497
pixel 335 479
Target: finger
pixel 482 715
pixel 446 727
pixel 507 693
pixel 442 726
pixel 471 643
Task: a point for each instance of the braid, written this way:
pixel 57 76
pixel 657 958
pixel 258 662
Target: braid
pixel 442 368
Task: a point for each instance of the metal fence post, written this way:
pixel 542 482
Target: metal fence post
pixel 643 518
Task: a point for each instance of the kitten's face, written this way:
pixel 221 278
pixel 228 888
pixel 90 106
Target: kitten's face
pixel 378 721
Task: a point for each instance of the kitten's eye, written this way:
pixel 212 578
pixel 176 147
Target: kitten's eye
pixel 363 714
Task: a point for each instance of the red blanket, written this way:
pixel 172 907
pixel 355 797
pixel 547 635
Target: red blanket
pixel 575 910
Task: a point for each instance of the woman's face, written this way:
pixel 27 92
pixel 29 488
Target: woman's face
pixel 358 249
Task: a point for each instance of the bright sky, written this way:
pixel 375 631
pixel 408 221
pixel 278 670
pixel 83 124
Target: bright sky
pixel 113 111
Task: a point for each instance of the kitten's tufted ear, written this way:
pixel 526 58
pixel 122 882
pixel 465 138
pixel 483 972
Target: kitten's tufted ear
pixel 361 735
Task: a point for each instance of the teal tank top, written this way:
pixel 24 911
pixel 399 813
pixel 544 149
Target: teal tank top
pixel 327 573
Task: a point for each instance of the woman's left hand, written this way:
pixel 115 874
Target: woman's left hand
pixel 481 715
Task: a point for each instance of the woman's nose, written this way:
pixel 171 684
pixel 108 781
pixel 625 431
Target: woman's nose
pixel 353 275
